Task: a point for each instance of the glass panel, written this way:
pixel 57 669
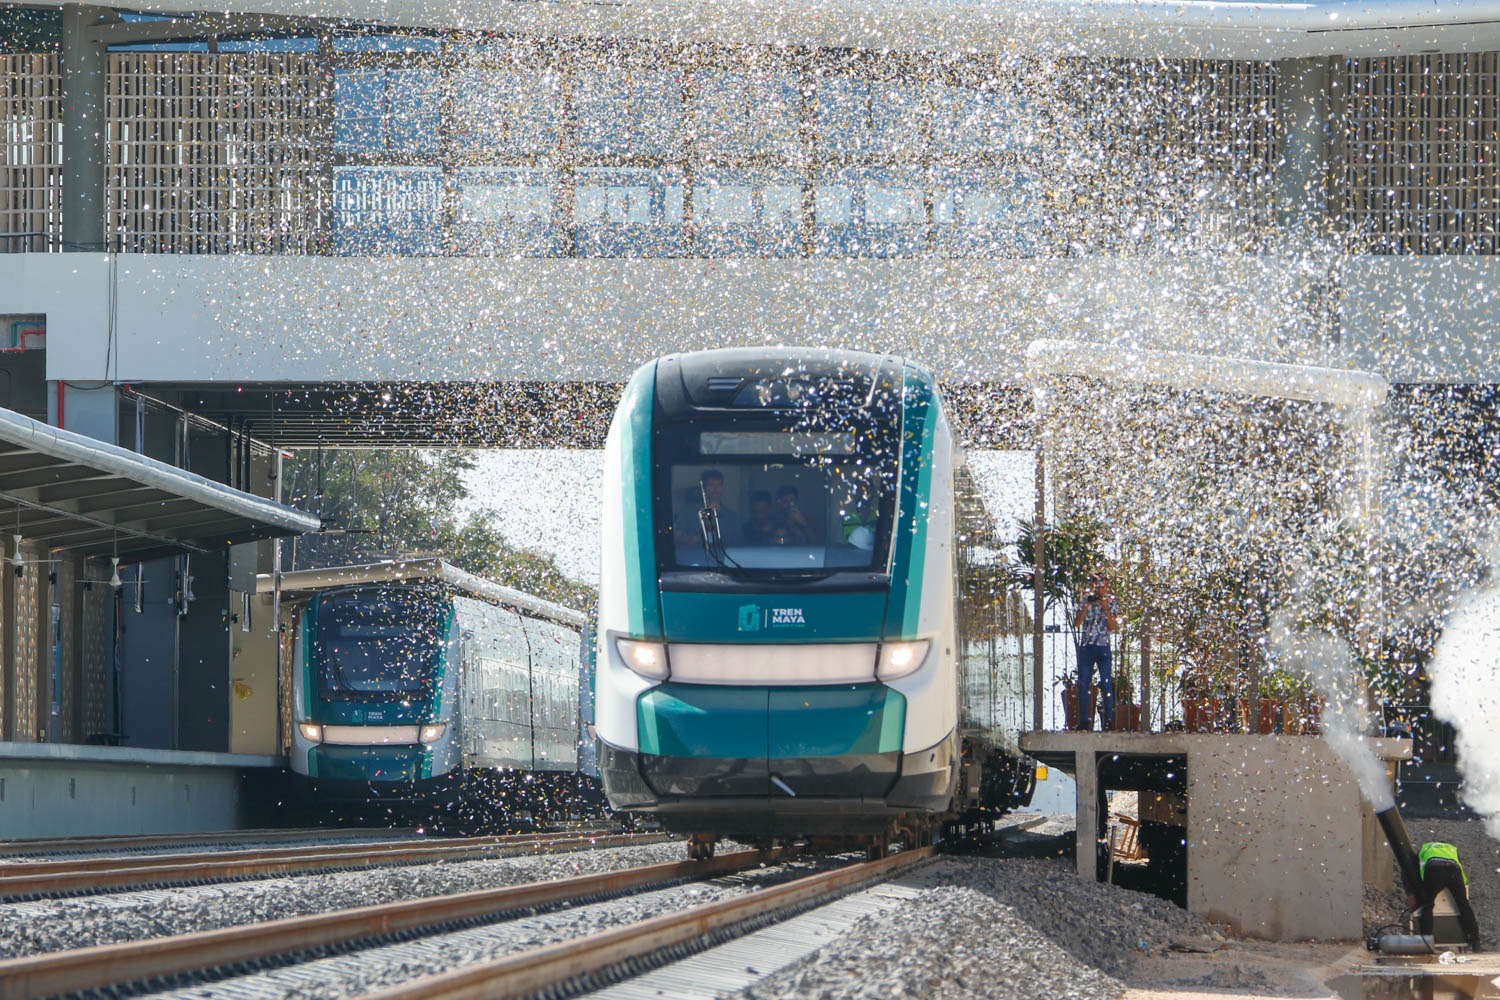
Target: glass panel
pixel 982 213
pixel 744 114
pixel 413 97
pixel 509 111
pixel 628 212
pixel 373 641
pixel 359 126
pixel 782 515
pixel 843 116
pixel 748 213
pixel 807 494
pixel 625 111
pixel 385 43
pixel 973 120
pixel 508 212
pixel 898 119
pixel 870 213
pixel 387 210
pixel 380 110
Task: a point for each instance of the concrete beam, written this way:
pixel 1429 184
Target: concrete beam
pixel 1224 29
pixel 226 319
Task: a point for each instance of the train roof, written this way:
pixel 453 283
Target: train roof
pixel 307 581
pixel 776 378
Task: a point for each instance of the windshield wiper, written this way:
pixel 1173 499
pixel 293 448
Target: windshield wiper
pixel 713 542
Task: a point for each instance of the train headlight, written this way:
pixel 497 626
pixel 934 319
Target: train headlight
pixel 649 659
pixel 311 731
pixel 432 732
pixel 897 659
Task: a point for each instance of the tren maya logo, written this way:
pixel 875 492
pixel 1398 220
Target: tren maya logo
pixel 753 618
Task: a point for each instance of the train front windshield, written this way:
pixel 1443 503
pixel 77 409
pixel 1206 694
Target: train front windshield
pixel 376 643
pixel 763 502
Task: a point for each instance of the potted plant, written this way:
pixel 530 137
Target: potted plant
pixel 1200 701
pixel 1278 689
pixel 1310 713
pixel 1127 712
pixel 1069 683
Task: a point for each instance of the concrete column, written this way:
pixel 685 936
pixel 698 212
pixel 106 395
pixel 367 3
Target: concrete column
pixel 1086 776
pixel 1305 133
pixel 85 65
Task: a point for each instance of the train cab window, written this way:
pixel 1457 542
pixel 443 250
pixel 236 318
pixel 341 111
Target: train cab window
pixel 377 642
pixel 773 502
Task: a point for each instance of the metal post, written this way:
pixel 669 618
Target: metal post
pixel 85 72
pixel 1145 592
pixel 1038 591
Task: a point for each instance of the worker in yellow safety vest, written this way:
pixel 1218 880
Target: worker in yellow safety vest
pixel 1440 869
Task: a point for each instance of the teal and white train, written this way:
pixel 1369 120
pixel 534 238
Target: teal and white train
pixel 419 689
pixel 777 645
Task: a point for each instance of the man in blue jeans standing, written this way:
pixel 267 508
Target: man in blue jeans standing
pixel 1095 622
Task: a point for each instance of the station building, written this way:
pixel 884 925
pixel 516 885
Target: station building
pixel 223 235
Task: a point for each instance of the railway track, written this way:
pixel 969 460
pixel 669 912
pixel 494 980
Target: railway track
pixel 37 846
pixel 73 877
pixel 220 952
pixel 599 959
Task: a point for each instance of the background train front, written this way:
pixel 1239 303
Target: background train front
pixel 770 675
pixel 422 700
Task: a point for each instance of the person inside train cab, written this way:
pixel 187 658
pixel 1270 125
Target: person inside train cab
pixel 762 521
pixel 789 515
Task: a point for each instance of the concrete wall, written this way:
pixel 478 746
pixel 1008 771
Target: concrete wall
pixel 231 319
pixel 254 693
pixel 1274 837
pixel 75 791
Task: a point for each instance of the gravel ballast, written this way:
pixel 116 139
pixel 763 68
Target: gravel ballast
pixel 991 928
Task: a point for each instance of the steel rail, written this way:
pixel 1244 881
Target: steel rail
pixel 544 968
pixel 83 969
pixel 66 878
pixel 65 865
pixel 55 845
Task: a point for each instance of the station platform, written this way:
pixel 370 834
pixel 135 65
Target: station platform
pixel 1265 833
pixel 72 790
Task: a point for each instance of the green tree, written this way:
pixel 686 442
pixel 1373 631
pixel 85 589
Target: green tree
pixel 385 503
pixel 1071 552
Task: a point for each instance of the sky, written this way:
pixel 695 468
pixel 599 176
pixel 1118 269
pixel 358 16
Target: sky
pixel 549 501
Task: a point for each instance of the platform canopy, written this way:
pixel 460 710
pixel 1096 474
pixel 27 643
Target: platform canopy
pixel 71 492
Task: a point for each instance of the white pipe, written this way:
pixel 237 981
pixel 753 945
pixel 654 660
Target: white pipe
pixel 1206 372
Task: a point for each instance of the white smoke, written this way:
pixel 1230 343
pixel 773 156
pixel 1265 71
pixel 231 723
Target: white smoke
pixel 1328 661
pixel 1465 673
